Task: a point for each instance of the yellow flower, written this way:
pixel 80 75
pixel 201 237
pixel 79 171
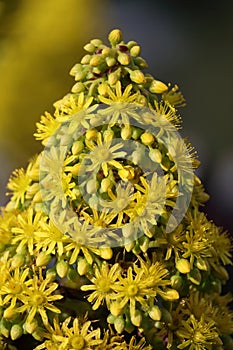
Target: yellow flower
pixel 37 297
pixel 14 286
pixel 28 223
pixel 51 239
pixel 79 336
pixel 132 289
pixel 198 335
pixel 103 284
pixel 46 127
pixel 102 155
pixel 19 183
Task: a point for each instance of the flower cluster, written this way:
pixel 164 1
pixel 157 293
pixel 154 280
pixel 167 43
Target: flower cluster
pixel 103 244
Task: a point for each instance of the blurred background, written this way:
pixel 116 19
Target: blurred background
pixel 184 42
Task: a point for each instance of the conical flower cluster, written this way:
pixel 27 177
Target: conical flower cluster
pixel 103 244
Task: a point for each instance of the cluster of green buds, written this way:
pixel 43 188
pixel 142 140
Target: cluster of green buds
pixel 103 239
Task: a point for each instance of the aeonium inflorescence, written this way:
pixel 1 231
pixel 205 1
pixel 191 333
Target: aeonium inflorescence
pixel 103 244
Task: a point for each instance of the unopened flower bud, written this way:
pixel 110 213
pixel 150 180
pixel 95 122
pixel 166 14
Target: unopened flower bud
pixel 77 147
pixel 123 58
pixel 91 186
pixel 170 294
pixel 127 173
pixel 147 138
pixel 96 42
pixel 9 313
pixel 140 62
pixel 108 134
pixel 96 60
pixel 82 267
pixel 16 331
pixel 115 308
pixel 183 266
pixel 126 132
pixel 176 282
pixel 17 260
pixel 155 313
pixel 86 59
pixel 137 76
pixel 103 89
pixel 155 155
pixel 135 50
pixel 106 184
pixel 111 61
pixel 38 334
pixel 136 318
pixel 62 268
pixel 195 276
pixel 78 87
pixel 115 37
pixel 119 324
pixel 43 259
pixel 113 78
pixel 89 48
pixel 106 253
pixel 30 327
pixel 91 134
pixel 158 87
pixel 107 51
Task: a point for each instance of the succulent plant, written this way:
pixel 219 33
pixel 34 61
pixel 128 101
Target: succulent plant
pixel 103 244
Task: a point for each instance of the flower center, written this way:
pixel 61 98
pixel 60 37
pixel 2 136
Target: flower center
pixel 104 285
pixel 78 342
pixel 15 288
pixel 132 290
pixel 104 154
pixel 37 299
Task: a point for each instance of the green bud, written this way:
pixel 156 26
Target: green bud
pixel 108 134
pixel 107 51
pixel 126 132
pixel 119 324
pixel 123 58
pixel 166 316
pixel 78 87
pixel 86 59
pixel 113 78
pixel 18 260
pixel 5 328
pixel 90 48
pixel 51 274
pixel 140 62
pixel 131 43
pixel 82 267
pixel 183 266
pixel 77 147
pixel 135 50
pixel 111 61
pixel 106 184
pixel 80 75
pixel 136 133
pixel 195 276
pixel 129 246
pixel 91 186
pixel 96 60
pixel 144 243
pixel 202 264
pixel 9 313
pixel 16 331
pixel 155 313
pixel 91 134
pixel 115 308
pixel 158 87
pixel 136 318
pixel 155 155
pixel 176 282
pixel 115 37
pixel 38 334
pixel 96 42
pixel 137 76
pixel 62 268
pixel 43 259
pixel 30 327
pixel 103 89
pixel 76 68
